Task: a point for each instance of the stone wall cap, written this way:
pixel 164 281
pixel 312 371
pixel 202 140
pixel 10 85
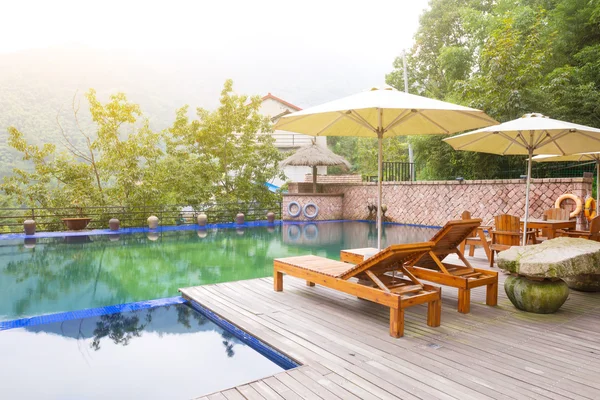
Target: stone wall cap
pixel 287 195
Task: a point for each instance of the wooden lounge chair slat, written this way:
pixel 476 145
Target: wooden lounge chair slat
pixel 407 289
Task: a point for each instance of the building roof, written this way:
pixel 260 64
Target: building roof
pixel 290 105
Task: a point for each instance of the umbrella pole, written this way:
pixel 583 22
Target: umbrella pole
pixel 379 190
pixel 597 187
pixel 527 197
pixel 314 179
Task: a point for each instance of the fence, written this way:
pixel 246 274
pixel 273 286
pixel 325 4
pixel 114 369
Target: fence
pixel 567 169
pixel 50 219
pixel 394 171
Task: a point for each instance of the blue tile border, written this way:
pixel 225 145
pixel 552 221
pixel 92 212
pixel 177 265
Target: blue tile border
pixel 261 347
pixel 191 227
pixel 90 312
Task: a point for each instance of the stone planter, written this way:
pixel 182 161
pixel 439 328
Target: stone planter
pixel 239 219
pixel 536 296
pixel 153 222
pixel 29 227
pixel 270 217
pixel 76 224
pixel 202 219
pixel 114 224
pixel 584 282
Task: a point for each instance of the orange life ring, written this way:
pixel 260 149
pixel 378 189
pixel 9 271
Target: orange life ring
pixel 576 199
pixel 590 208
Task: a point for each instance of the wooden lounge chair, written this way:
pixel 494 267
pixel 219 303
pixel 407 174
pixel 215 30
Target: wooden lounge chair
pixel 592 234
pixel 507 233
pixel 391 290
pixel 477 238
pixel 430 266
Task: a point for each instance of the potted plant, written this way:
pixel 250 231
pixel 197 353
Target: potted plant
pixel 77 223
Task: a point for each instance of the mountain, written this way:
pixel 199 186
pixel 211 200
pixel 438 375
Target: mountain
pixel 36 84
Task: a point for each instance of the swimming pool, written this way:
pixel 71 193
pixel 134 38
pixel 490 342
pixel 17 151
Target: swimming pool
pixel 169 351
pixel 50 275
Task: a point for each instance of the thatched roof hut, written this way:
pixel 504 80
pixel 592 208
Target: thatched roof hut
pixel 314 156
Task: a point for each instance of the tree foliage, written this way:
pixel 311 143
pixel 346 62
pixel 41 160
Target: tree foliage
pixel 507 57
pixel 224 155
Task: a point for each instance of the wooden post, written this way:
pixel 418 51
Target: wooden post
pixel 434 313
pixel 309 283
pixel 396 322
pixel 464 300
pixel 278 281
pixel 491 295
pixel 314 178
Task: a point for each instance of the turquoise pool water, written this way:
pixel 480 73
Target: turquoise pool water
pixel 72 273
pixel 170 352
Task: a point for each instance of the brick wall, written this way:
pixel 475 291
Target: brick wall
pixel 330 206
pixel 334 178
pixel 435 202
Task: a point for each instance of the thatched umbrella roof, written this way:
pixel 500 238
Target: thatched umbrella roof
pixel 314 155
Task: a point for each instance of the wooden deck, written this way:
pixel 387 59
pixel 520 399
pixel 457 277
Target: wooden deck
pixel 347 353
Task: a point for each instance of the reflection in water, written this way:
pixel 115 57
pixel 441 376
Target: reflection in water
pixel 164 352
pixel 56 276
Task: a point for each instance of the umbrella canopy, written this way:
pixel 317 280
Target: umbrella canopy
pixel 313 156
pixel 380 113
pixel 529 135
pixel 594 156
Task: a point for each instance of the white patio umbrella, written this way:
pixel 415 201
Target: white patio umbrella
pixel 595 156
pixel 381 113
pixel 531 134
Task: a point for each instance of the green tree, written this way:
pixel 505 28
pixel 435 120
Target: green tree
pixel 225 155
pixel 109 168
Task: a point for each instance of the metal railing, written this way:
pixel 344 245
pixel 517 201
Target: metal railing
pixel 290 140
pixel 395 171
pixel 567 169
pixel 50 219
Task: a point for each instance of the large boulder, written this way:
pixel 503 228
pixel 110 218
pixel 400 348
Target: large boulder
pixel 576 261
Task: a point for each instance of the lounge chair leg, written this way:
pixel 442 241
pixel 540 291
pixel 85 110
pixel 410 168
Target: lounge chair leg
pixel 464 300
pixel 278 281
pixel 434 313
pixel 492 258
pixel 309 283
pixel 463 244
pixel 491 295
pixel 396 322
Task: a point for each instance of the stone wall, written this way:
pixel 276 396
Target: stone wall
pixel 330 206
pixel 334 178
pixel 435 202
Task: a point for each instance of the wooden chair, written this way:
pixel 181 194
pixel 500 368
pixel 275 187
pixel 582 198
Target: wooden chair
pixel 392 291
pixel 558 214
pixel 430 266
pixel 592 234
pixel 477 238
pixel 507 233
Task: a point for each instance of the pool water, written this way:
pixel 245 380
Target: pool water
pixel 169 352
pixel 52 275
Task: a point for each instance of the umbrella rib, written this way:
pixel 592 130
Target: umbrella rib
pixel 552 139
pixel 588 136
pixel 556 144
pixel 329 124
pixel 433 122
pixel 514 141
pixel 289 120
pixel 473 115
pixel 471 142
pixel 357 118
pixel 391 127
pixel 395 120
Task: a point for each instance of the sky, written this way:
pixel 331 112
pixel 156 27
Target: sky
pixel 340 46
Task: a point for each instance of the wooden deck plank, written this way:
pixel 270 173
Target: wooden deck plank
pixel 346 351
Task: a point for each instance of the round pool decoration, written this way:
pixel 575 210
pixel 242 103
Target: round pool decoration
pixel 309 215
pixel 153 222
pixel 292 213
pixel 29 227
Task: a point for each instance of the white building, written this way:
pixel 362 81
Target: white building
pixel 275 108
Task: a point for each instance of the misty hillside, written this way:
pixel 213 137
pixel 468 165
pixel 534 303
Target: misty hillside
pixel 36 84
